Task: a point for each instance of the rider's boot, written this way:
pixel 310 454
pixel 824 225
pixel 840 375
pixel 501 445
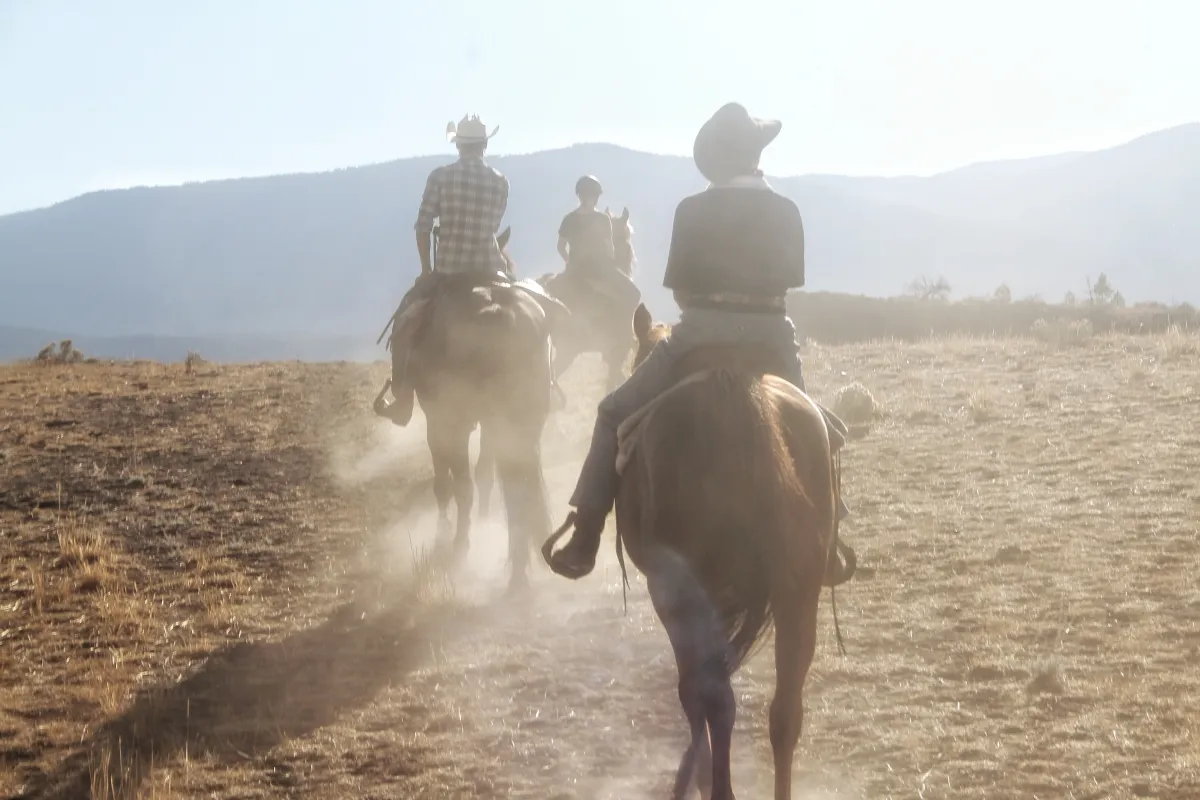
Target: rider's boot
pixel 594 496
pixel 400 410
pixel 578 557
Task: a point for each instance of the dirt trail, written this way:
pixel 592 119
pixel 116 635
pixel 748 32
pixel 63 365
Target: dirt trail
pixel 1024 622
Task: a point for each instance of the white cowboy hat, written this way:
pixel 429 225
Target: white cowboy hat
pixel 470 129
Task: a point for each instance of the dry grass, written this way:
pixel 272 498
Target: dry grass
pixel 193 603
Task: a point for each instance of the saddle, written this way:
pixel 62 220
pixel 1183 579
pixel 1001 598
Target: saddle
pixel 756 361
pixel 695 366
pixel 407 320
pixel 596 290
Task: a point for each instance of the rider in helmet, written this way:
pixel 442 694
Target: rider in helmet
pixel 736 249
pixel 585 235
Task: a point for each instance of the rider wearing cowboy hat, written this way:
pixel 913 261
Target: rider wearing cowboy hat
pixel 468 199
pixel 736 249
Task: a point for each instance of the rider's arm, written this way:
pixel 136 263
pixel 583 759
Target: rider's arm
pixel 423 252
pixel 564 234
pixel 678 256
pixel 430 208
pixel 792 252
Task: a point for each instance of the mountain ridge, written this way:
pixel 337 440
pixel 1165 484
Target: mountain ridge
pixel 330 253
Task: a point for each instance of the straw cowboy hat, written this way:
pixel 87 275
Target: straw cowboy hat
pixel 731 140
pixel 470 130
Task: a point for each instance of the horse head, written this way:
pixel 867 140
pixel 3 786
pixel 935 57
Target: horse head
pixel 622 240
pixel 647 332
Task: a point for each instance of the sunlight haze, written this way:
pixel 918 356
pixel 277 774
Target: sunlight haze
pixel 133 92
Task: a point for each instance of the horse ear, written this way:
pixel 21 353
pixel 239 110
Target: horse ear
pixel 625 214
pixel 642 322
pixel 502 239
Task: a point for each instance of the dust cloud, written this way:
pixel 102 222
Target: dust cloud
pixel 566 693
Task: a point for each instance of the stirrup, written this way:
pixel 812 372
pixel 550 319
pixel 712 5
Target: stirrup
pixel 549 556
pixel 841 565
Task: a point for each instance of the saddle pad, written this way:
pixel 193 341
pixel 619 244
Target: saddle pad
pixel 406 320
pixel 629 432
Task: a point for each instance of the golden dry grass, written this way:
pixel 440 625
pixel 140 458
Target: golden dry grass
pixel 206 590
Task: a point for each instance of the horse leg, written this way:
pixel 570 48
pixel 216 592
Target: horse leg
pixel 564 357
pixel 615 361
pixel 519 464
pixel 705 691
pixel 436 436
pixel 459 457
pixel 795 644
pixel 485 472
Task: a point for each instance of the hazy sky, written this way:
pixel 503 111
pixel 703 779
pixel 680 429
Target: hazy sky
pixel 109 93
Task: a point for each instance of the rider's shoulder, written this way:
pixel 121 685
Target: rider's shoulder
pixel 785 202
pixel 439 172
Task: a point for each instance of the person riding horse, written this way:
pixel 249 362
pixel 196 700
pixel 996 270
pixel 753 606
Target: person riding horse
pixel 468 199
pixel 736 249
pixel 585 242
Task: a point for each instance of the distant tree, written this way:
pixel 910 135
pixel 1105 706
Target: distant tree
pixel 1102 293
pixel 926 289
pixel 1069 299
pixel 1003 294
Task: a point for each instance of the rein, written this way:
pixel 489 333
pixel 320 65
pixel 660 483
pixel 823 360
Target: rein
pixel 837 524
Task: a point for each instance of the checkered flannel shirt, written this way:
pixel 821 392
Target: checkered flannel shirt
pixel 468 198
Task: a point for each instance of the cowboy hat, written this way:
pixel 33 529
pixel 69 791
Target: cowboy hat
pixel 470 130
pixel 731 140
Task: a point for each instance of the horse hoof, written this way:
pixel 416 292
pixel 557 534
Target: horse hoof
pixel 519 588
pixel 461 546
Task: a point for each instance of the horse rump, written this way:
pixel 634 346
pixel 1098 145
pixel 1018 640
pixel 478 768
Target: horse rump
pixel 724 493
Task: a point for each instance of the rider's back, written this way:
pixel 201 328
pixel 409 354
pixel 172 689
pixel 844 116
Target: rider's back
pixel 470 199
pixel 589 238
pixel 732 239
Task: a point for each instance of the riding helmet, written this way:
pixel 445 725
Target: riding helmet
pixel 588 183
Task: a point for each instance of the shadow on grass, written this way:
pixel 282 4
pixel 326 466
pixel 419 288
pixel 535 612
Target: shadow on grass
pixel 248 698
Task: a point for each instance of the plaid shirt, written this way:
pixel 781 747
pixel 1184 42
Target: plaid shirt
pixel 468 198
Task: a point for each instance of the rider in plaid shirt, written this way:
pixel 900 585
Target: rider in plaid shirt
pixel 468 199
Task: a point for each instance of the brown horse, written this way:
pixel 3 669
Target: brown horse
pixel 596 327
pixel 483 358
pixel 727 504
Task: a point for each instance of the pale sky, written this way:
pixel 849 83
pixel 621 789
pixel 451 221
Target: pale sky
pixel 111 93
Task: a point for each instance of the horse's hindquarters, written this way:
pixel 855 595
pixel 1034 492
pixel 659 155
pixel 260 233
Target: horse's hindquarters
pixel 718 478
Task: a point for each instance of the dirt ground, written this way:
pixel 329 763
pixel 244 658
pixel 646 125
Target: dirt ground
pixel 211 585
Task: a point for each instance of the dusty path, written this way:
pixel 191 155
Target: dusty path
pixel 1024 624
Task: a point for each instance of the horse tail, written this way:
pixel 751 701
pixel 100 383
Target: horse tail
pixel 739 519
pixel 513 430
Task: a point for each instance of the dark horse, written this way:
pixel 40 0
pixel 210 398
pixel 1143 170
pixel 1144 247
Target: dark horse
pixel 727 504
pixel 482 357
pixel 596 325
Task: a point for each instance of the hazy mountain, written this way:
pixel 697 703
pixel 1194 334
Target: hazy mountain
pixel 310 256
